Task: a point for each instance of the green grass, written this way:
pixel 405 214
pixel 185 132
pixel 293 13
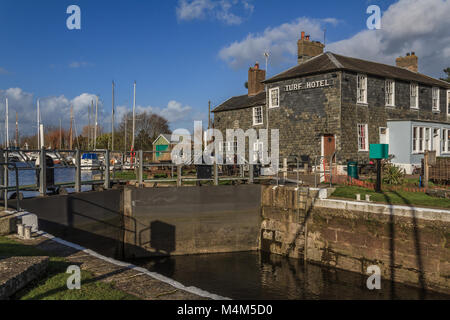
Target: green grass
pixel 393 197
pixel 52 286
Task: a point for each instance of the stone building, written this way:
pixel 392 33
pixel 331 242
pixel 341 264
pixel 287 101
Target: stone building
pixel 332 103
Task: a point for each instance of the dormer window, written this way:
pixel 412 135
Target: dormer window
pixel 435 103
pixel 361 88
pixel 414 95
pixel 390 93
pixel 274 98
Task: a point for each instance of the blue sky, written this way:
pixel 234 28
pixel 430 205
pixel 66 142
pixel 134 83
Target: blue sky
pixel 181 53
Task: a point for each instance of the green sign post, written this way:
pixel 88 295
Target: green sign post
pixel 378 152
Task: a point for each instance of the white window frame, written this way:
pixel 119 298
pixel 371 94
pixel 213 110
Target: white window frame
pixel 277 89
pixel 421 143
pixel 366 137
pixel 445 140
pixel 389 86
pixel 255 116
pixel 361 91
pixel 257 146
pixel 435 97
pixel 448 102
pixel 427 134
pixel 414 100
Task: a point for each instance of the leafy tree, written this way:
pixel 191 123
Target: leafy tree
pixel 447 71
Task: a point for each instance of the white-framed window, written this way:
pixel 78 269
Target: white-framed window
pixel 427 142
pixel 414 95
pixel 448 102
pixel 390 92
pixel 435 102
pixel 257 147
pixel 361 93
pixel 421 139
pixel 274 97
pixel 257 115
pixel 363 137
pixel 445 140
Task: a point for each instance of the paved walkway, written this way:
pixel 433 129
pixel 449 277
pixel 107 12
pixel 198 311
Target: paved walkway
pixel 124 277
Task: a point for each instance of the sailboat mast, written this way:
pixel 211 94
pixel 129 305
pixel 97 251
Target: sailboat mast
pixel 134 115
pixel 96 124
pixel 71 128
pixel 112 119
pixel 6 125
pixel 17 130
pixel 38 126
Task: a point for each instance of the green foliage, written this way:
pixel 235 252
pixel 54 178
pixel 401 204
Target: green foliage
pixel 392 175
pixel 447 71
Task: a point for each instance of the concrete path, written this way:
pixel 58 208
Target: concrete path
pixel 129 280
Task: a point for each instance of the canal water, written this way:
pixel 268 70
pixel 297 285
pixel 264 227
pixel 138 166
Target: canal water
pixel 62 175
pixel 261 276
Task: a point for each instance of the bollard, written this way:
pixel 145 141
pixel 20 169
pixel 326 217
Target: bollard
pixel 368 197
pixel 250 173
pixel 358 197
pixel 107 181
pixel 141 169
pixel 77 171
pixel 27 233
pixel 20 230
pixel 42 173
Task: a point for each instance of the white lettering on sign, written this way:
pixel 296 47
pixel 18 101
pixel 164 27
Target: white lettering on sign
pixel 308 85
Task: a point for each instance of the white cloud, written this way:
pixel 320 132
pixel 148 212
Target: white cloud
pixel 408 25
pixel 280 41
pixel 52 109
pixel 178 115
pixel 221 10
pixel 3 71
pixel 78 64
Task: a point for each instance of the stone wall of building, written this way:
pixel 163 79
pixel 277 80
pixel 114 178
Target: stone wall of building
pixel 409 245
pixel 305 115
pixel 376 114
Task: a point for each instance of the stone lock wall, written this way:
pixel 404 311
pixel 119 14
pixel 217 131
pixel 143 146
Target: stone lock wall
pixel 411 249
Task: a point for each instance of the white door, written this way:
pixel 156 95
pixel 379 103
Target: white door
pixel 437 141
pixel 384 136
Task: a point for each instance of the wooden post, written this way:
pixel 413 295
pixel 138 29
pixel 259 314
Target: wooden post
pixel 179 172
pixel 107 160
pixel 426 172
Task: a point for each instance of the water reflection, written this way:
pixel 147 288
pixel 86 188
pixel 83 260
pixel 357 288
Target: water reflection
pixel 255 275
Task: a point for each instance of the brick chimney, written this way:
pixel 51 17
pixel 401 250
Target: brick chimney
pixel 410 62
pixel 308 49
pixel 255 77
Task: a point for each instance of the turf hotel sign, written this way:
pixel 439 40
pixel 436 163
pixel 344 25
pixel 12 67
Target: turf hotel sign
pixel 308 85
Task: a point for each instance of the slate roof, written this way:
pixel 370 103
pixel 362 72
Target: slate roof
pixel 242 102
pixel 329 61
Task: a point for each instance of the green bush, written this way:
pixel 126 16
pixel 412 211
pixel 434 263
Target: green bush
pixel 392 175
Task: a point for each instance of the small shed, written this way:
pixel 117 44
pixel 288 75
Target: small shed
pixel 161 147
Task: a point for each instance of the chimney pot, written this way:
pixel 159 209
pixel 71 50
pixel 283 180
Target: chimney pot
pixel 303 35
pixel 410 62
pixel 255 78
pixel 307 37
